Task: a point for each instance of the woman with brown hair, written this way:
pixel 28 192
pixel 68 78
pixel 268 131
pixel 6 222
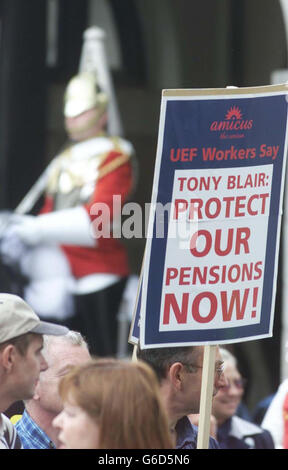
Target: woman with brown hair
pixel 112 404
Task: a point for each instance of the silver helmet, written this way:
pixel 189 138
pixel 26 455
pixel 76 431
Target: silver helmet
pixel 82 94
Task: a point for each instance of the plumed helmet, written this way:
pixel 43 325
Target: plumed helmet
pixel 83 93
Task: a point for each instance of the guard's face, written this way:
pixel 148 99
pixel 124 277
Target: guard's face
pixel 85 125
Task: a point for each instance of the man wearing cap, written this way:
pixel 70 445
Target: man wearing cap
pixel 21 359
pixel 87 185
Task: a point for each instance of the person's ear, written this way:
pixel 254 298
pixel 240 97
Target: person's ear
pixel 176 376
pixel 8 357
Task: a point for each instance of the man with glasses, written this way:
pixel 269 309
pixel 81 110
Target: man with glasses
pixel 179 370
pixel 234 432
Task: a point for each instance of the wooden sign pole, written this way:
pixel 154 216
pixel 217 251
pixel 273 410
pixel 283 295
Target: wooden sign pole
pixel 208 374
pixel 134 354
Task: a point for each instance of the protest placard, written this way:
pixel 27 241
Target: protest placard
pixel 211 256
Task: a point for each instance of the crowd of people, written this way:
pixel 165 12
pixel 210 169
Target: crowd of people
pixel 72 400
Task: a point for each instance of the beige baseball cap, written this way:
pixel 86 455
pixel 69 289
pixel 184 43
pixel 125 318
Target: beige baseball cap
pixel 17 318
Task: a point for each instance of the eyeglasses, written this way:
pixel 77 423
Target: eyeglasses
pixel 219 368
pixel 238 383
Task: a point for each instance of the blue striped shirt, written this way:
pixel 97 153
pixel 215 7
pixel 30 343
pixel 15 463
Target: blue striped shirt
pixel 31 435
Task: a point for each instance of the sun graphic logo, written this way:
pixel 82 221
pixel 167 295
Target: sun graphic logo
pixel 234 113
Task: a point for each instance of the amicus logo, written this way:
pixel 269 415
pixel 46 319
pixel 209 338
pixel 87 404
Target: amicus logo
pixel 233 121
